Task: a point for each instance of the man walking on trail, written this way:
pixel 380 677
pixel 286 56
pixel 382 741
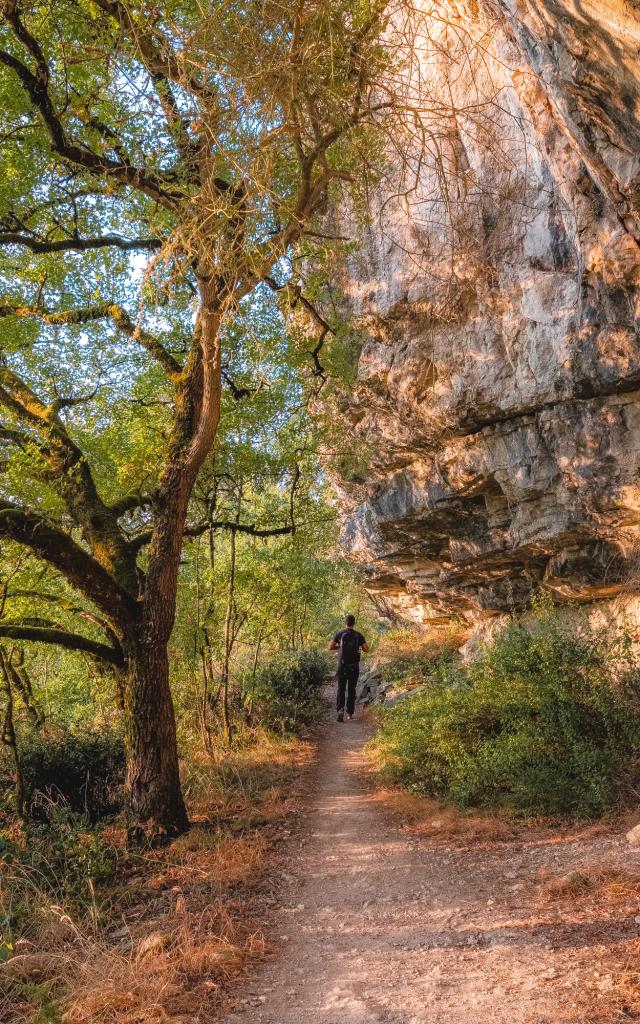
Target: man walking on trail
pixel 349 642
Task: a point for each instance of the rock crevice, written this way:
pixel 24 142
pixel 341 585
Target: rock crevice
pixel 498 386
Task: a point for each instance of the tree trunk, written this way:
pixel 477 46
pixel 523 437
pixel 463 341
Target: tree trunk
pixel 153 780
pixel 228 641
pixel 9 733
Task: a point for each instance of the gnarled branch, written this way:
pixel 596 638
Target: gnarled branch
pixel 80 568
pixel 141 539
pixel 103 311
pixel 63 638
pixel 155 50
pixel 36 87
pixel 43 245
pixel 61 602
pixel 295 297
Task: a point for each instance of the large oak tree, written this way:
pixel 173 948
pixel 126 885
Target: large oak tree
pixel 160 162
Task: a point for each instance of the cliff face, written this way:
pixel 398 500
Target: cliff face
pixel 497 405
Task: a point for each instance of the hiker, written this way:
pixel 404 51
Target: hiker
pixel 349 642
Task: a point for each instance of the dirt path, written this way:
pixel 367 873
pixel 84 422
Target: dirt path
pixel 378 927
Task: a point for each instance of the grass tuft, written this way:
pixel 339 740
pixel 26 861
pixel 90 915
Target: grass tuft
pixel 98 934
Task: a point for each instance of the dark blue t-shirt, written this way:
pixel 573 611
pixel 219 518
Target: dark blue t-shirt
pixel 350 650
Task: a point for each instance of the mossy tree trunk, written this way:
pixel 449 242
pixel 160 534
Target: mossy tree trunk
pixel 224 175
pixel 153 778
pixel 136 608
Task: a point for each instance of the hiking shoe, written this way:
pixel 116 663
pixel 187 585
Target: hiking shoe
pixel 349 718
pixel 340 716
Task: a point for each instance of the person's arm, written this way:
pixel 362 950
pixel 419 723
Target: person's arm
pixel 364 645
pixel 334 644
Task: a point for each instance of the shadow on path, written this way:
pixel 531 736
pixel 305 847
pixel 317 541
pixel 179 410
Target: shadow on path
pixel 378 928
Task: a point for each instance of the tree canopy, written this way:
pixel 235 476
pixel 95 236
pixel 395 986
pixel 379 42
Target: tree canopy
pixel 162 168
pixel 168 175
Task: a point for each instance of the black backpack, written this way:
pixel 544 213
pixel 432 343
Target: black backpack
pixel 350 647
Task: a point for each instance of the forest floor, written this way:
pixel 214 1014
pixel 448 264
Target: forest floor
pixel 163 937
pixel 391 911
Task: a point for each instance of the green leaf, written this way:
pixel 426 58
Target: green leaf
pixel 6 949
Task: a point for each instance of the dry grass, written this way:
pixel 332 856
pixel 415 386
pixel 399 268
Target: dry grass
pixel 172 975
pixel 444 823
pixel 624 1003
pixel 593 882
pixel 410 651
pixel 174 926
pixel 597 892
pixel 408 658
pixel 250 785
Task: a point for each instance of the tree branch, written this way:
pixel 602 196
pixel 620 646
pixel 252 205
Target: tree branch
pixel 14 666
pixel 15 437
pixel 104 311
pixel 66 461
pixel 64 603
pixel 295 296
pixel 155 51
pixel 62 638
pixel 130 502
pixel 43 245
pixel 57 548
pixel 198 529
pixel 36 87
pixel 67 469
pixel 252 529
pixel 238 393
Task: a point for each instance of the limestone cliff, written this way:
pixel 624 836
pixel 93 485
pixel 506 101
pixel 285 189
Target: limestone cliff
pixel 497 403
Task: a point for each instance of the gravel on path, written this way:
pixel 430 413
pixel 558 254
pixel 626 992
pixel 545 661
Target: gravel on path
pixel 377 926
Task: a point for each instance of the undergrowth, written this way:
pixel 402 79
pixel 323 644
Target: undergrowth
pixel 545 720
pixel 408 657
pixel 284 694
pixel 94 932
pixel 84 770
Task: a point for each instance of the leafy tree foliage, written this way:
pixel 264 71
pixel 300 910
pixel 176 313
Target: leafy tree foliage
pixel 160 167
pixel 165 167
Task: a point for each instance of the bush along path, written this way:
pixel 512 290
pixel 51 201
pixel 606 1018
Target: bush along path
pixel 384 922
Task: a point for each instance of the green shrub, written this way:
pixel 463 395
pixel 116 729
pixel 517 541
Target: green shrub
pixel 546 720
pixel 285 694
pixel 85 771
pixel 51 868
pixel 407 656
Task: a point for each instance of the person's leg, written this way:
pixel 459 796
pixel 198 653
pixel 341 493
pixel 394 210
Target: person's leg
pixel 342 684
pixel 354 672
